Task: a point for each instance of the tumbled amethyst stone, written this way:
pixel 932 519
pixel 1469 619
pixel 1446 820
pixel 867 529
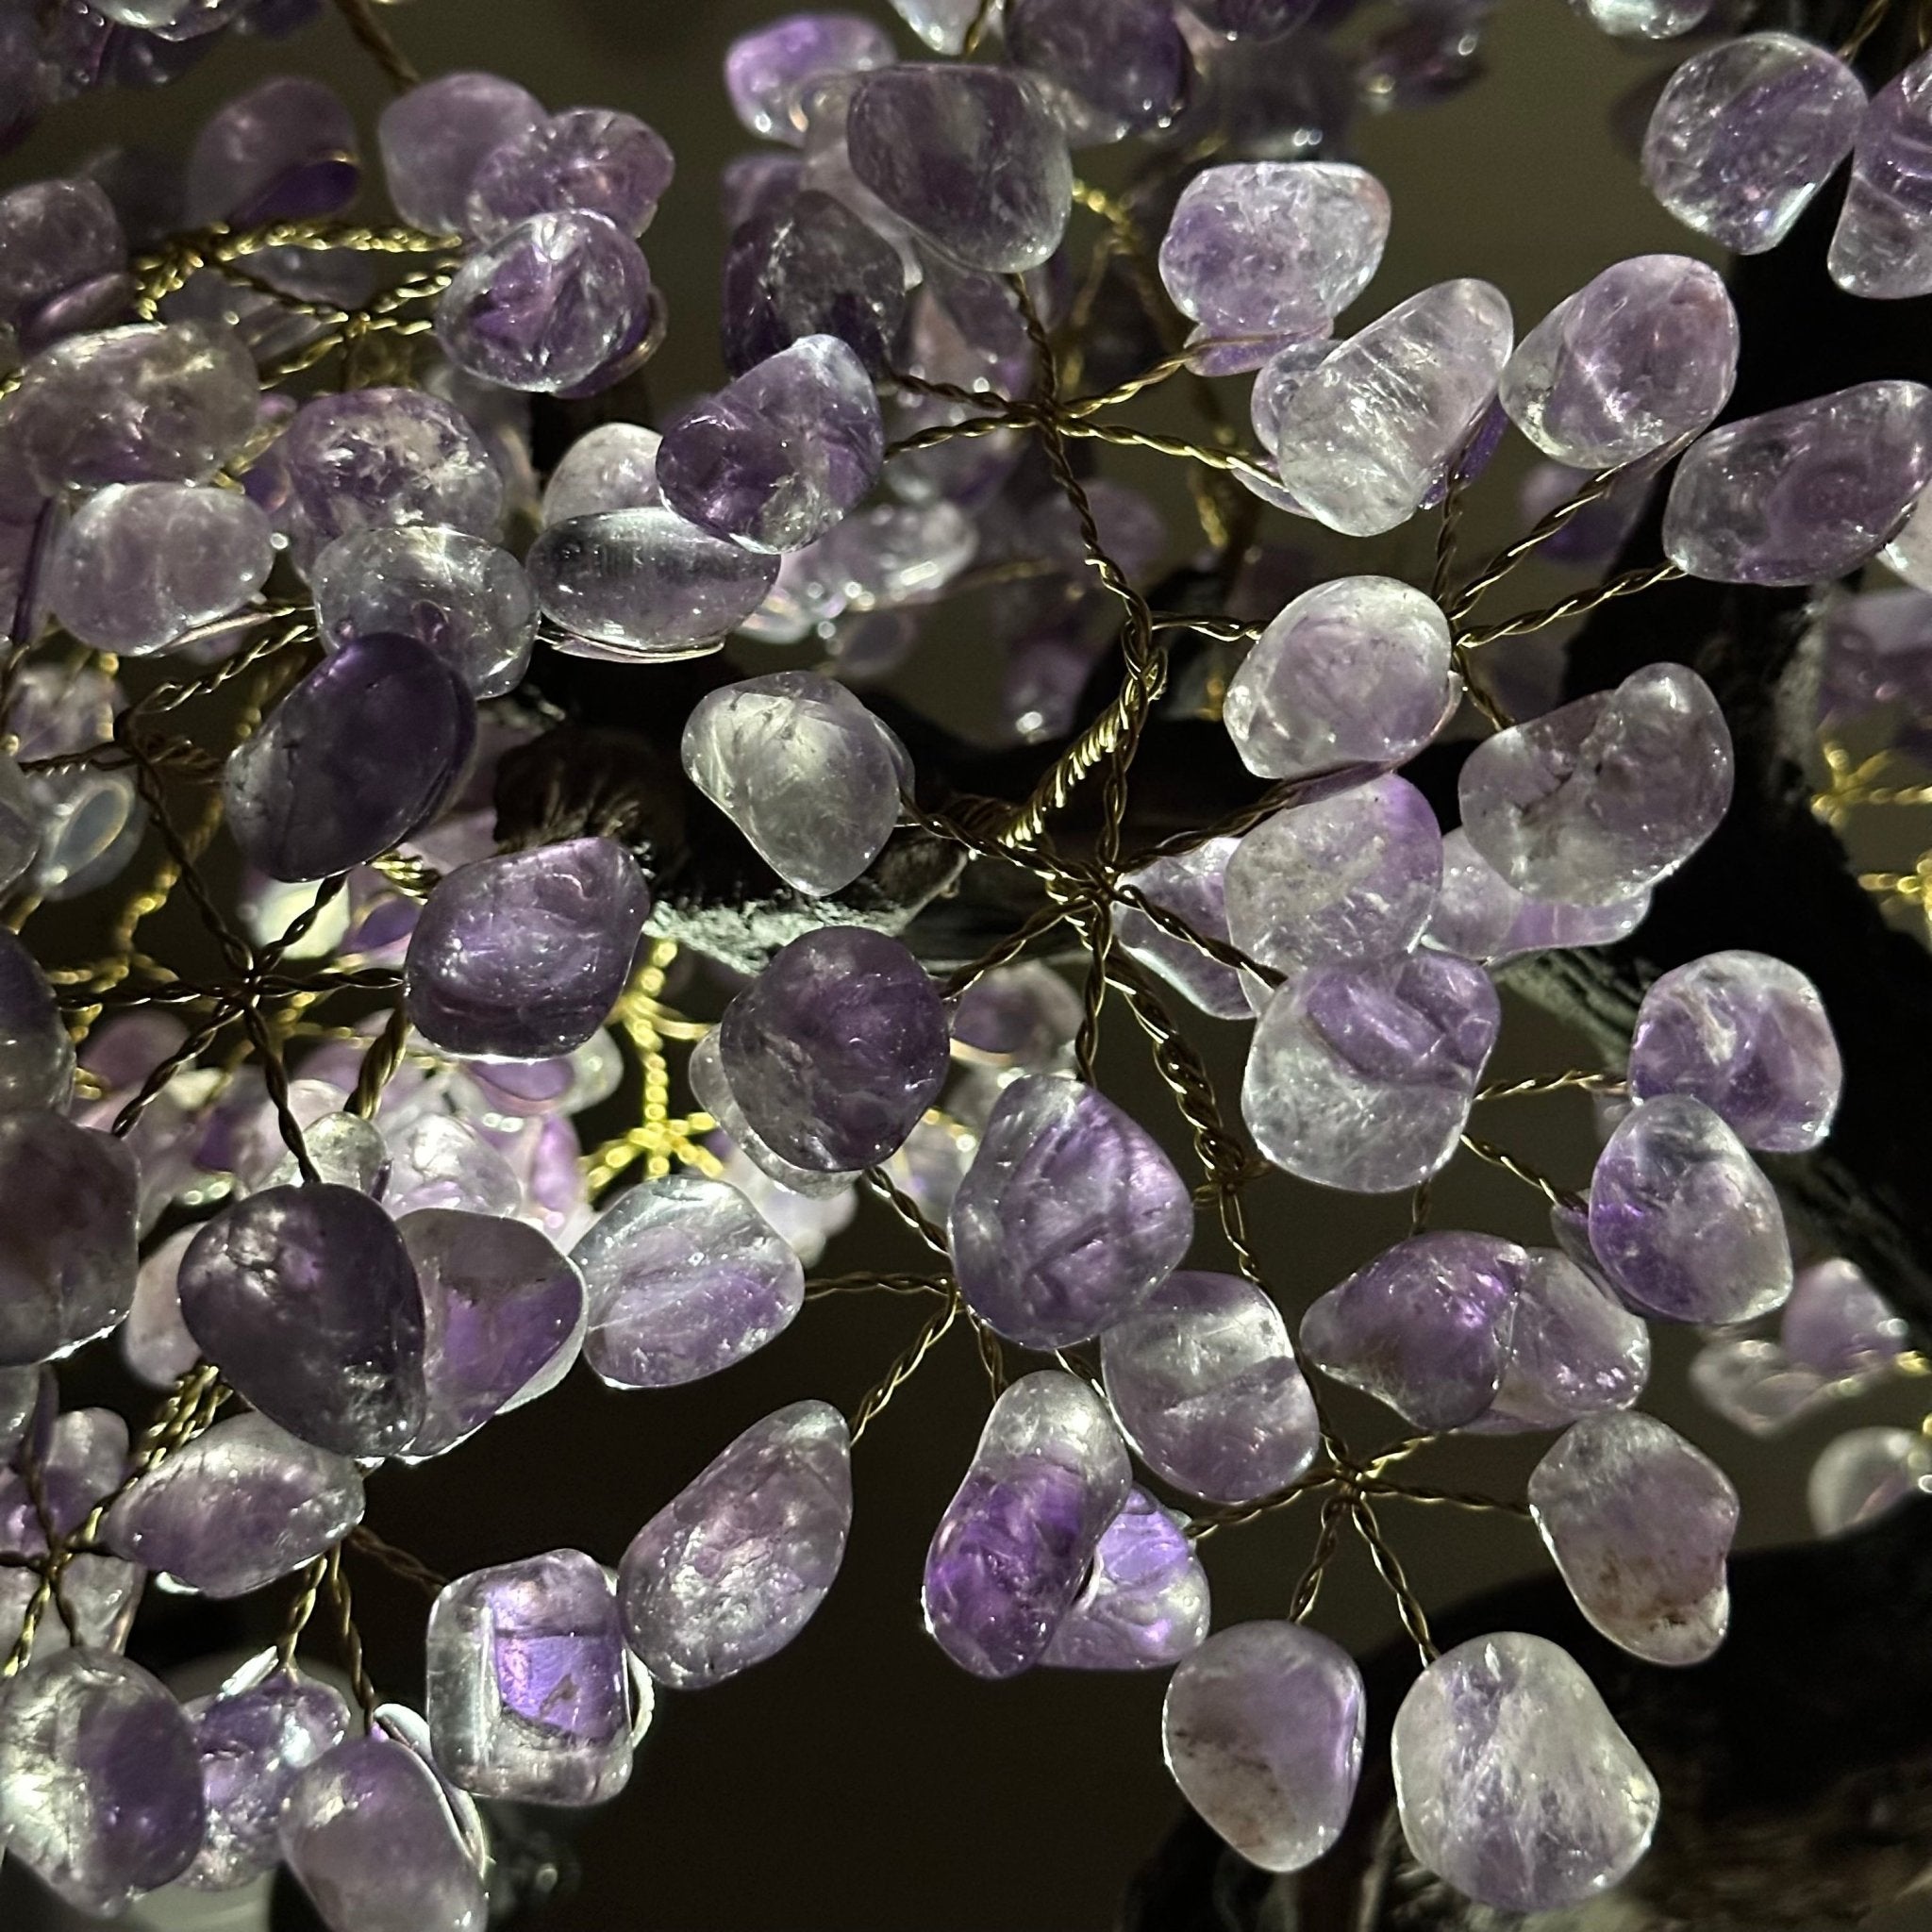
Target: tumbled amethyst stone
pixel 1683 1222
pixel 972 157
pixel 304 1299
pixel 1194 885
pixel 1756 1386
pixel 1262 1729
pixel 712 1092
pixel 734 1566
pixel 1747 132
pixel 590 159
pixel 1011 1551
pixel 1069 1217
pixel 1880 247
pixel 769 72
pixel 1122 69
pixel 1865 1474
pixel 436 136
pixel 1838 1325
pixel 1573 1349
pixel 837 1048
pixel 613 466
pixel 1479 915
pixel 55 236
pixel 19 822
pixel 1145 1603
pixel 35 1055
pixel 1024 1016
pixel 82 1457
pixel 283 151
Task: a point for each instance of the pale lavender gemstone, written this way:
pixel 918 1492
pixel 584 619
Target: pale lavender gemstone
pixel 243 1504
pixel 67 1239
pixel 1640 1524
pixel 712 1092
pixel 20 824
pixel 1748 1036
pixel 1262 1730
pixel 768 73
pixel 801 767
pixel 1604 796
pixel 1513 1781
pixel 1068 1219
pixel 1145 1602
pixel 1756 1386
pixel 467 599
pixel 85 823
pixel 1204 1382
pixel 1643 20
pixel 1574 1350
pixel 1023 1016
pixel 252 1745
pixel 1012 1550
pixel 807 1221
pixel 942 24
pixel 99 1783
pixel 141 562
pixel 1865 1474
pixel 1193 885
pixel 503 1315
pixel 304 1299
pixel 826 168
pixel 837 1048
pixel 891 554
pixel 1479 915
pixel 1838 1326
pixel 369 1834
pixel 1881 247
pixel 1346 879
pixel 55 236
pixel 1273 248
pixel 437 136
pixel 155 1342
pixel 35 1055
pixel 440 1162
pixel 1747 132
pixel 1365 436
pixel 1642 354
pixel 1423 1327
pixel 646 585
pixel 972 157
pixel 364 751
pixel 735 1565
pixel 528 1690
pixel 1361 1077
pixel 525 954
pixel 590 159
pixel 612 467
pixel 1353 672
pixel 1683 1222
pixel 83 1457
pixel 781 454
pixel 1801 493
pixel 283 151
pixel 1122 69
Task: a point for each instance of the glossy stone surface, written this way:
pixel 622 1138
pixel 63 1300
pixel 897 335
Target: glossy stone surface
pixel 83 1455
pixel 1205 1383
pixel 1647 20
pixel 1864 1475
pixel 1880 248
pixel 436 136
pixel 1642 354
pixel 1838 1325
pixel 1145 1603
pixel 588 161
pixel 304 1299
pixel 613 466
pixel 1262 1730
pixel 1747 132
pixel 359 755
pixel 1756 1386
pixel 284 150
pixel 769 71
pixel 1366 435
pixel 1594 800
pixel 836 1049
pixel 1069 1217
pixel 732 1569
pixel 1514 1782
pixel 1683 1220
pixel 801 767
pixel 972 157
pixel 35 1055
pixel 1120 69
pixel 712 1092
pixel 55 236
pixel 20 830
pixel 1193 886
pixel 1479 915
pixel 1801 493
pixel 1012 1550
pixel 1574 1350
pixel 1024 1016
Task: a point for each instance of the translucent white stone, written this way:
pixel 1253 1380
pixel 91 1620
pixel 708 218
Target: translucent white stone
pixel 1865 1474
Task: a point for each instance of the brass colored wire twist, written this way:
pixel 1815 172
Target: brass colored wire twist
pixel 906 1366
pixel 1630 584
pixel 347 1636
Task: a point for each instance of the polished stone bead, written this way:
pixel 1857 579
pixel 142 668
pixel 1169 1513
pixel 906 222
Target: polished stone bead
pixel 283 151
pixel 1881 247
pixel 931 141
pixel 1012 1549
pixel 1366 436
pixel 1145 1602
pixel 1204 1382
pixel 436 136
pixel 1513 1781
pixel 1479 915
pixel 712 1092
pixel 1683 1222
pixel 1748 1036
pixel 1361 1076
pixel 1262 1730
pixel 1024 1016
pixel 644 584
pixel 1643 20
pixel 1574 1350
pixel 801 767
pixel 1121 69
pixel 1747 132
pixel 35 1055
pixel 825 167
pixel 778 456
pixel 370 1837
pixel 684 1278
pixel 304 1299
pixel 55 238
pixel 529 1692
pixel 1865 1474
pixel 1838 1325
pixel 1353 672
pixel 769 72
pixel 360 754
pixel 67 1254
pixel 836 1049
pixel 437 1161
pixel 1606 795
pixel 143 562
pixel 1643 354
pixel 468 600
pixel 19 822
pixel 503 1318
pixel 1756 1386
pixel 613 466
pixel 1191 885
pixel 100 1790
pixel 1069 1217
pixel 525 954
pixel 942 24
pixel 733 1568
pixel 1801 493
pixel 1344 879
pixel 83 1457
pixel 590 160
pixel 242 1505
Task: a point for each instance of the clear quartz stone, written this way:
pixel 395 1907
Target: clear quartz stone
pixel 613 466
pixel 1880 247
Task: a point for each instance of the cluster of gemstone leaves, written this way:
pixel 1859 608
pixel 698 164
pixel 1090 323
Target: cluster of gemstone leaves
pixel 352 1245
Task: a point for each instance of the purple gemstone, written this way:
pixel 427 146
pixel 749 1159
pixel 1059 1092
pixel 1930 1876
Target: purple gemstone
pixel 1480 915
pixel 712 1092
pixel 35 1055
pixel 1194 885
pixel 1124 68
pixel 1880 247
pixel 1836 1325
pixel 437 136
pixel 753 185
pixel 55 236
pixel 589 159
pixel 285 151
pixel 1023 1016
pixel 1145 1602
pixel 1865 1474
pixel 768 73
pixel 1574 1350
pixel 83 1458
